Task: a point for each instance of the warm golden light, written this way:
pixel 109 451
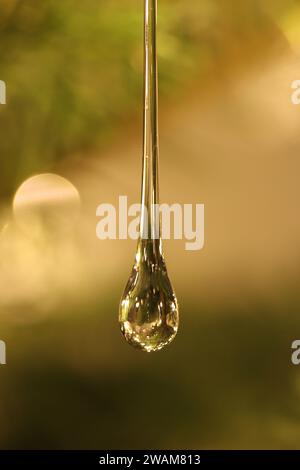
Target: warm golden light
pixel 46 200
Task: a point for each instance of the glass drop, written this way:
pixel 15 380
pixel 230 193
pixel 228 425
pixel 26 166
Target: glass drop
pixel 148 314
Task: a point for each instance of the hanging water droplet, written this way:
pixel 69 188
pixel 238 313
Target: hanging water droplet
pixel 148 311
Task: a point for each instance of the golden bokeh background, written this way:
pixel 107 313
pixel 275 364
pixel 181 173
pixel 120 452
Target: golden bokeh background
pixel 70 139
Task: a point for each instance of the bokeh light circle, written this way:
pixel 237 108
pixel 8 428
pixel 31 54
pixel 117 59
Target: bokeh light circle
pixel 46 201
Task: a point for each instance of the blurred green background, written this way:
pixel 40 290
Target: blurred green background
pixel 230 140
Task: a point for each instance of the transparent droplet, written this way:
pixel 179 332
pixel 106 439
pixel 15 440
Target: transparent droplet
pixel 148 311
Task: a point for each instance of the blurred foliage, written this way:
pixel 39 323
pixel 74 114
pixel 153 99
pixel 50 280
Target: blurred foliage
pixel 74 69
